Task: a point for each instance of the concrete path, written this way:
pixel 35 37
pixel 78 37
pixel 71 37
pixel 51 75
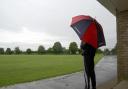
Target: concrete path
pixel 105 71
pixel 122 85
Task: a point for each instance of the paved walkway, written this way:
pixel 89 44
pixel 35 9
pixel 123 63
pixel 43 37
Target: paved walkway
pixel 105 71
pixel 122 85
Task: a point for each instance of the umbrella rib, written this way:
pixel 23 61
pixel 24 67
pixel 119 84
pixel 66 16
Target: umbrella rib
pixel 77 30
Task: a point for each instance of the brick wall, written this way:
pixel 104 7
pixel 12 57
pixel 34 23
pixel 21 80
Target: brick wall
pixel 122 45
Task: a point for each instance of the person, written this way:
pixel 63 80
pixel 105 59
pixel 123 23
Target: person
pixel 88 53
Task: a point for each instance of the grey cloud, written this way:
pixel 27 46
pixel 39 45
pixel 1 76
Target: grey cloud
pixel 52 16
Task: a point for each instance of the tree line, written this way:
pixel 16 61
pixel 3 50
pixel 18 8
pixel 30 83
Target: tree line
pixel 113 51
pixel 55 49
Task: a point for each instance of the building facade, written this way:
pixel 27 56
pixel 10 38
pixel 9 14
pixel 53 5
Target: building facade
pixel 119 8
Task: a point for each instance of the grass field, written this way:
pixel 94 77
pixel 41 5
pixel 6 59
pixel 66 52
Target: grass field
pixel 23 68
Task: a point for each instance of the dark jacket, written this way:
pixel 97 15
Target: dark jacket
pixel 87 48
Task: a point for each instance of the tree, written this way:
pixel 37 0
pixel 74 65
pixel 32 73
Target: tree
pixel 73 48
pixel 41 49
pixel 80 51
pixel 65 51
pixel 114 50
pixel 28 51
pixel 1 50
pixel 57 48
pixel 8 51
pixel 50 50
pixel 106 52
pixel 17 50
pixel 99 51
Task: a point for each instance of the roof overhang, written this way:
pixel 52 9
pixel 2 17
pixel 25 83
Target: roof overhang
pixel 115 5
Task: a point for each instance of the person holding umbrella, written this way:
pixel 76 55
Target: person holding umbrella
pixel 88 53
pixel 91 35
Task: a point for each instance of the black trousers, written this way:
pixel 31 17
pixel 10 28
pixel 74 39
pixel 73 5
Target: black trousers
pixel 89 54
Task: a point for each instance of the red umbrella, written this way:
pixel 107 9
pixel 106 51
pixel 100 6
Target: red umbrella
pixel 88 30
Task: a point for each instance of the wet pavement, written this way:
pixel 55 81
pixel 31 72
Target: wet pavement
pixel 105 70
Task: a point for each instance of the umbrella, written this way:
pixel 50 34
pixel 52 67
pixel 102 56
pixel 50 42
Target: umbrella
pixel 88 30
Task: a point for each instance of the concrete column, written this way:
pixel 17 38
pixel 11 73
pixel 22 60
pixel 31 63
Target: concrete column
pixel 122 45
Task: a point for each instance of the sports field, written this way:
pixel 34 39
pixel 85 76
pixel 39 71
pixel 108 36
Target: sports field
pixel 24 68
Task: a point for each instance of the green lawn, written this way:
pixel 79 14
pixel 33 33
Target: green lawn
pixel 24 68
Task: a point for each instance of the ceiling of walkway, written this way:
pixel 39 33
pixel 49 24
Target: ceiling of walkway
pixel 113 5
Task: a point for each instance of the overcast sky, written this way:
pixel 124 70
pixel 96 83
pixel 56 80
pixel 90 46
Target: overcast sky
pixel 30 23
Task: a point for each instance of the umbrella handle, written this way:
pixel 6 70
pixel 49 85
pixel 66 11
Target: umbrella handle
pixel 85 76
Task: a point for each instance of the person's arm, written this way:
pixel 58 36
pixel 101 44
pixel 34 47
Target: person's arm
pixel 82 46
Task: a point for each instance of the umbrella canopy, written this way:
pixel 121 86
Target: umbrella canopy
pixel 88 30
